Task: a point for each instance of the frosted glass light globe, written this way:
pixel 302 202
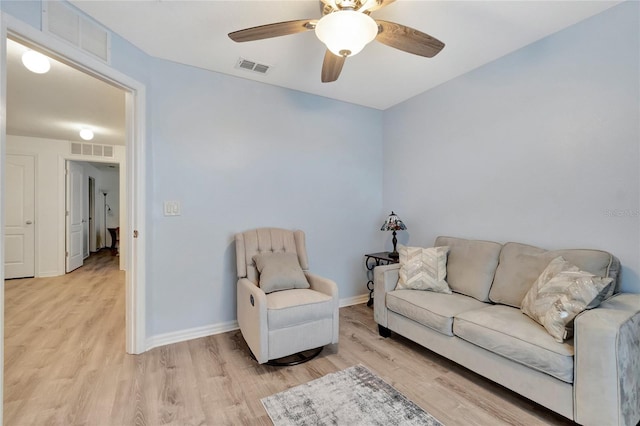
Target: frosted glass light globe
pixel 36 62
pixel 346 32
pixel 86 134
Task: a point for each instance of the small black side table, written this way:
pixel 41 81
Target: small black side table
pixel 372 260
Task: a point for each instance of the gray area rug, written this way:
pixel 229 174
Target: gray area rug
pixel 354 396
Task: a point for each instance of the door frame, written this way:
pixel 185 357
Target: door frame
pixel 91 234
pixel 135 111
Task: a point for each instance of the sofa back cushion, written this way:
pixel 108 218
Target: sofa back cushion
pixel 521 265
pixel 471 265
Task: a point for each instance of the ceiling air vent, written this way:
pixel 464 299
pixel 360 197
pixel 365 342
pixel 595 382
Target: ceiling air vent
pixel 248 65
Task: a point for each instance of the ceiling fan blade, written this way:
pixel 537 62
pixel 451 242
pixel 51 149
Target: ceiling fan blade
pixel 331 67
pixel 373 5
pixel 408 39
pixel 273 30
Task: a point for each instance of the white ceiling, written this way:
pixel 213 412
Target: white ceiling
pixel 56 105
pixel 475 33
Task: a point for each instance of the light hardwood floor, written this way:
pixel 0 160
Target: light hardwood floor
pixel 65 364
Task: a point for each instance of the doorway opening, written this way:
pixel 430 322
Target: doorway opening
pixel 92 223
pixel 131 163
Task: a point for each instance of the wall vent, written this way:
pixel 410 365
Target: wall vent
pixel 108 151
pixel 92 149
pixel 64 21
pixel 248 65
pixel 76 148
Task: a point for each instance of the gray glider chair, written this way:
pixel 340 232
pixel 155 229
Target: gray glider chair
pixel 286 314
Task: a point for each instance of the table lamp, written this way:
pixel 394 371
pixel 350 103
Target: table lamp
pixel 393 223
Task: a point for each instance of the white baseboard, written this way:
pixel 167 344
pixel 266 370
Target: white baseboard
pixel 50 274
pixel 363 298
pixel 189 334
pixel 210 330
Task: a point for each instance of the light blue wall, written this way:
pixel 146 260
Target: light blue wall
pixel 237 155
pixel 539 147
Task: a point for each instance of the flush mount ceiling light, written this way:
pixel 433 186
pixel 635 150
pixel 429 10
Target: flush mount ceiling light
pixel 36 62
pixel 346 32
pixel 86 134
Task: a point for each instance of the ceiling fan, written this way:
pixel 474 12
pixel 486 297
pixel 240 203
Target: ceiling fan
pixel 345 28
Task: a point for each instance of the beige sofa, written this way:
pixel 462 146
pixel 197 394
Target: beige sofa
pixel 593 379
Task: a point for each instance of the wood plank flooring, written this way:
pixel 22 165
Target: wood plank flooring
pixel 65 364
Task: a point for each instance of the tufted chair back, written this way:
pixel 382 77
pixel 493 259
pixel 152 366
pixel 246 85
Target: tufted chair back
pixel 262 240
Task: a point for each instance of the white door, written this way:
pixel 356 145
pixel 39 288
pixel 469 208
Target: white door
pixel 19 240
pixel 75 178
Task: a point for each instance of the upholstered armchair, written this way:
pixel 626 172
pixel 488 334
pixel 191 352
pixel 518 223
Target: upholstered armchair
pixel 283 309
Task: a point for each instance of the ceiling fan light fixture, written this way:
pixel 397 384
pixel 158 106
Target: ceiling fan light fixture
pixel 346 32
pixel 36 62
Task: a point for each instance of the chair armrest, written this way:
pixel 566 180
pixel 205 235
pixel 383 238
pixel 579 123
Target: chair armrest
pixel 385 278
pixel 330 288
pixel 323 285
pixel 252 318
pixel 607 363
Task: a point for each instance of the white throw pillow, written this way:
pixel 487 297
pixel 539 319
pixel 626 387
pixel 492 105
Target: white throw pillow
pixel 423 269
pixel 560 293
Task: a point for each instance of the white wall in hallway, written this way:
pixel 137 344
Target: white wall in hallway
pixel 50 192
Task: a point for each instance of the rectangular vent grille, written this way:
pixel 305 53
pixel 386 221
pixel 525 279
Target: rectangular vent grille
pixel 76 148
pixel 62 20
pixel 248 65
pixel 92 149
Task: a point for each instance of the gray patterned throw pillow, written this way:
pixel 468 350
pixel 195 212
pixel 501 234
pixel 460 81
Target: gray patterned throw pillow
pixel 560 293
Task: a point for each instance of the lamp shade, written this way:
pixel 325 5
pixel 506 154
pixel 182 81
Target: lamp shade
pixel 346 32
pixel 393 223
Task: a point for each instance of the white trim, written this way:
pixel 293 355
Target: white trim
pixel 357 300
pixel 48 274
pixel 190 334
pixel 223 327
pixel 3 146
pixel 135 105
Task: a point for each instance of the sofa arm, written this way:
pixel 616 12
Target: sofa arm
pixel 607 363
pixel 385 278
pixel 252 318
pixel 330 288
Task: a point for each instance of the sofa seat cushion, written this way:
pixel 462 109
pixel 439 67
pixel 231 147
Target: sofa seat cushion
pixel 471 265
pixel 434 310
pixel 508 332
pixel 289 308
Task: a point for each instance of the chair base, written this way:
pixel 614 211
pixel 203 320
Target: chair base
pixel 294 359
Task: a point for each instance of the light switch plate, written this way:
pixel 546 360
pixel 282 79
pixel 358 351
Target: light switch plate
pixel 172 208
